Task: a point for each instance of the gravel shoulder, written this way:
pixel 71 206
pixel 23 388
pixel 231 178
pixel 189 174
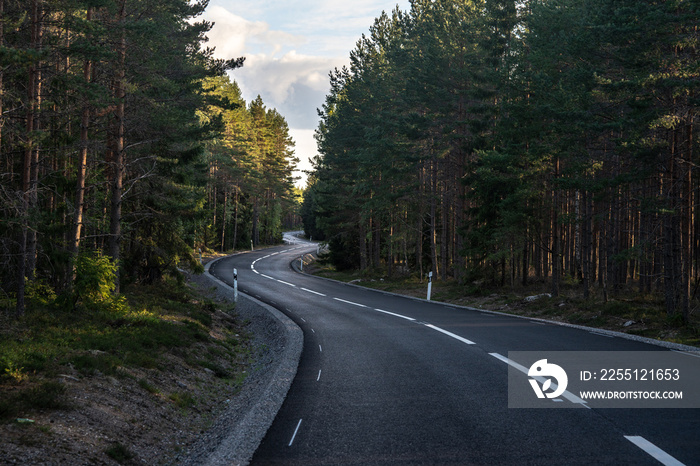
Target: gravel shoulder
pixel 239 430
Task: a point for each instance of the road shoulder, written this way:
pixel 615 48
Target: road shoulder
pixel 237 432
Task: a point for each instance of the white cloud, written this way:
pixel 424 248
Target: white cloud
pixel 276 78
pixel 304 150
pixel 233 35
pixel 290 47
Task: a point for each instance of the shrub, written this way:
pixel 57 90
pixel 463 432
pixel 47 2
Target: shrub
pixel 94 284
pixel 119 453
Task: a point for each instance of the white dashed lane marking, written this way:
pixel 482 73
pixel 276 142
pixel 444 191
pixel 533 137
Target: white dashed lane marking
pixel 295 433
pixel 567 394
pixel 450 334
pixel 654 451
pixel 349 302
pixel 395 315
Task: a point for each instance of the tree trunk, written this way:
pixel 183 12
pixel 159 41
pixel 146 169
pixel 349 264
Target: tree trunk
pixel 687 226
pixel 433 215
pixel 671 277
pixel 419 224
pixel 29 183
pixel 525 264
pixel 235 219
pixel 256 218
pixel 585 245
pixel 74 241
pixel 556 254
pixel 118 165
pixel 34 94
pixel 223 221
pixel 444 218
pixel 2 73
pixel 377 241
pixel 363 244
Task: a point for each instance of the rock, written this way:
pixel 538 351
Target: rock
pixel 530 299
pixel 628 323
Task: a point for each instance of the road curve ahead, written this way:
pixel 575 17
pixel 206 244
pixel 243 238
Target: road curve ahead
pixel 386 380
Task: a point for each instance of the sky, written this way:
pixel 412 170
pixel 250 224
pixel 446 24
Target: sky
pixel 290 47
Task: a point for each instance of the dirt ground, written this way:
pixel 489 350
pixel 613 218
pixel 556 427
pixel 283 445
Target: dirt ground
pixel 139 416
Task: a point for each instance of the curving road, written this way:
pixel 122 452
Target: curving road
pixel 388 380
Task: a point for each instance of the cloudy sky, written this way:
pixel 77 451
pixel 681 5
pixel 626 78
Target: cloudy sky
pixel 290 47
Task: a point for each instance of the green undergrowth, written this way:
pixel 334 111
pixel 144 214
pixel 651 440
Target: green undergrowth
pixel 146 324
pixel 630 312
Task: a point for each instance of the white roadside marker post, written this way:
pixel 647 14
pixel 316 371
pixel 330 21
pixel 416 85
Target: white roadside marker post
pixel 301 263
pixel 235 285
pixel 430 284
pixel 251 245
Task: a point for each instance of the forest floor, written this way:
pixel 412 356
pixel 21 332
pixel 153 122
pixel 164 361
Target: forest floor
pixel 135 385
pixel 626 311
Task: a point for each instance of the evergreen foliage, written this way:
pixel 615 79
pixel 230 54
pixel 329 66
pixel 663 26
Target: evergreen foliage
pixel 125 148
pixel 526 141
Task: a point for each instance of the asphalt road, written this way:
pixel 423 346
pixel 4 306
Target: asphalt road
pixel 387 380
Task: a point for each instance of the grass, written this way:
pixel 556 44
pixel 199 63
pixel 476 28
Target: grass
pixel 183 400
pixel 32 397
pixel 146 385
pixel 151 322
pixel 119 453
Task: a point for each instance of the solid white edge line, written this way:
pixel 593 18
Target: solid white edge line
pixel 567 394
pixel 687 353
pixel 312 291
pixel 450 334
pixel 654 451
pixel 349 302
pixel 395 315
pixel 602 335
pixel 295 433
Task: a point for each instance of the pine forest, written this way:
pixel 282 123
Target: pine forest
pixel 126 149
pixel 518 142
